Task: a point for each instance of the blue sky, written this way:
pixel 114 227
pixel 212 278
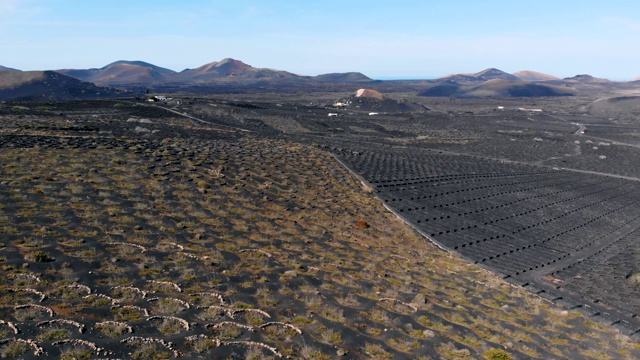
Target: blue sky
pixel 382 39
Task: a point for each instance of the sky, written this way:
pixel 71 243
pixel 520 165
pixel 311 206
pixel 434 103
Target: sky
pixel 397 39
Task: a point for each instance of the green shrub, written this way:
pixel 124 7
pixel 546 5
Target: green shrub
pixel 76 354
pixel 14 349
pixel 41 256
pixel 497 354
pixel 55 334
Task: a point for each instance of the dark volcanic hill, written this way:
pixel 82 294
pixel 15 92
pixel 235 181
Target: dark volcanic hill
pixel 484 75
pixel 121 73
pixel 4 68
pixel 442 90
pixel 586 82
pixel 585 78
pixel 497 88
pixel 506 88
pixel 342 77
pixel 528 75
pixel 373 101
pixel 230 69
pixel 49 85
pixel 492 74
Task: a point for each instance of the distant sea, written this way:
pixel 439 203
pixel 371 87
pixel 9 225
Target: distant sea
pixel 404 77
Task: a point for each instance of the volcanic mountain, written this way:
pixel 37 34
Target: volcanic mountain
pixel 4 68
pixel 136 74
pixel 507 88
pixel 484 75
pixel 585 78
pixel 497 88
pixel 586 82
pixel 49 85
pixel 122 72
pixel 528 75
pixel 230 69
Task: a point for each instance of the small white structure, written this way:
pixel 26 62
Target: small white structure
pixel 373 113
pixel 158 98
pixel 332 114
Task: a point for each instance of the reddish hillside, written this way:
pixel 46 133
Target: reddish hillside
pixel 368 93
pixel 372 101
pixel 230 69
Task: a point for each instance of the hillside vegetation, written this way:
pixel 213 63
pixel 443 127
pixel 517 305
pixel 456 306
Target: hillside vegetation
pixel 202 241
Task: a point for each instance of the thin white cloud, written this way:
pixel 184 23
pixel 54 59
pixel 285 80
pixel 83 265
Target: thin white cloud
pixel 7 7
pixel 17 10
pixel 626 24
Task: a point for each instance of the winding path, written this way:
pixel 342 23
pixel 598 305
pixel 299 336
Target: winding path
pixel 197 119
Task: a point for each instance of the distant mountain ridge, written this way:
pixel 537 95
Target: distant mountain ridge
pixel 495 83
pixel 484 75
pixel 232 75
pixel 125 72
pixel 137 75
pixel 585 78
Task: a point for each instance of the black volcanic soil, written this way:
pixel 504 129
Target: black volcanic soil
pixel 538 179
pixel 224 226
